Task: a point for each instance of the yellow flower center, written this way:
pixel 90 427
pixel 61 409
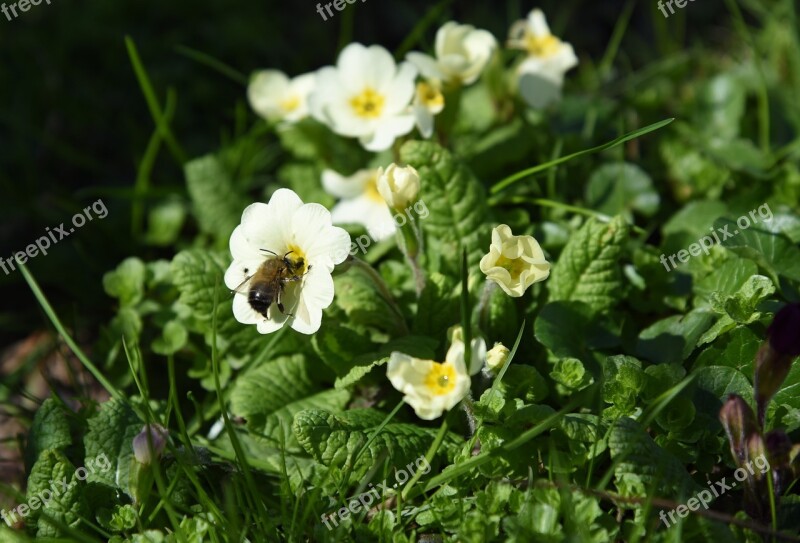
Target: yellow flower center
pixel 290 104
pixel 429 96
pixel 368 104
pixel 542 46
pixel 515 266
pixel 298 260
pixel 371 189
pixel 441 379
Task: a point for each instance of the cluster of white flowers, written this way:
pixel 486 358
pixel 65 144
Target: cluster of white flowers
pixel 284 251
pixel 369 96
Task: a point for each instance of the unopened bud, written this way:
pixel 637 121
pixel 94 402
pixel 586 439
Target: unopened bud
pixel 497 356
pixel 141 447
pixel 740 423
pixel 398 185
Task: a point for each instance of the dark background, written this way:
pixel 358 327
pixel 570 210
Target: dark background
pixel 74 123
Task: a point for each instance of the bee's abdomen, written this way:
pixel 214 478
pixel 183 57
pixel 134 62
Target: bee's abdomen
pixel 260 300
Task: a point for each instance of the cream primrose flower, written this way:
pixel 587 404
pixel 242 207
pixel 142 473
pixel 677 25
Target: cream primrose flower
pixel 428 102
pixel 360 203
pixel 276 97
pixel 398 185
pixel 301 233
pixel 514 262
pixel 365 96
pixel 541 75
pixel 430 387
pixel 462 52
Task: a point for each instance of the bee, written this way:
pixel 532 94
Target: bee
pixel 267 283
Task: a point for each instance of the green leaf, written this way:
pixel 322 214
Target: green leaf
pixel 217 204
pixel 737 349
pixel 622 188
pixel 726 279
pixel 53 473
pixel 126 283
pixel 165 222
pixel 438 306
pixel 642 467
pixel 568 330
pixel 333 440
pixel 196 273
pixel 455 198
pixel 673 339
pixel 50 430
pixel 270 396
pixel 338 346
pixel 715 383
pixel 111 432
pixel 588 269
pixel 363 303
pixel 741 306
pixel 570 373
pixel 773 252
pixel 173 338
pixel 623 380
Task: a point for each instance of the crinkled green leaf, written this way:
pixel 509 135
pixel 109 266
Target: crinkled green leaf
pixel 216 204
pixel 50 430
pixel 643 467
pixel 623 380
pixel 416 346
pixel 196 273
pixel 55 475
pixel 334 440
pixel 111 432
pixel 364 304
pixel 270 396
pixel 588 269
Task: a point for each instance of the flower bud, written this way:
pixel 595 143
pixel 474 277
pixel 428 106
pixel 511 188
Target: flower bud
pixel 497 356
pixel 774 358
pixel 740 423
pixel 141 448
pixel 398 185
pixel 784 332
pixel 779 448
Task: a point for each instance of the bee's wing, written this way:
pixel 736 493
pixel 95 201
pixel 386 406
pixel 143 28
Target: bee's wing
pixel 242 288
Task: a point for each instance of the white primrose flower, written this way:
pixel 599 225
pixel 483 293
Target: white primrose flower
pixel 514 262
pixel 462 52
pixel 365 96
pixel 360 203
pixel 277 98
pixel 478 352
pixel 430 387
pixel 398 185
pixel 541 74
pixel 283 255
pixel 428 102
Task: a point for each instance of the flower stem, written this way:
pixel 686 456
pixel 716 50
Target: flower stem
pixel 410 242
pixel 428 457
